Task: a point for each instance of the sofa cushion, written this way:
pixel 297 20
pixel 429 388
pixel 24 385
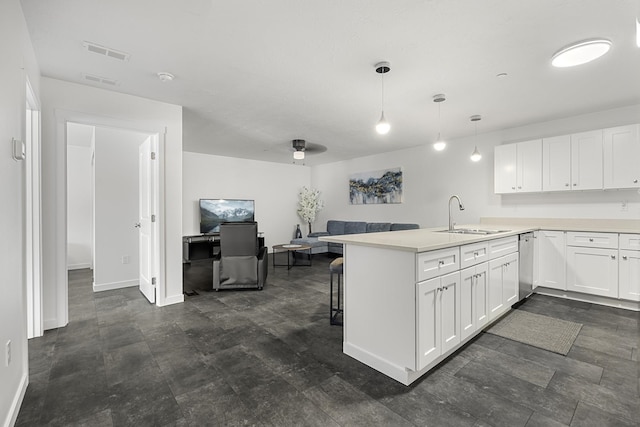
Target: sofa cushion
pixel 335 227
pixel 375 227
pixel 404 226
pixel 355 227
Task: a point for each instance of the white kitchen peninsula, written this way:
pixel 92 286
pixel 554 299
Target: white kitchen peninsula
pixel 408 293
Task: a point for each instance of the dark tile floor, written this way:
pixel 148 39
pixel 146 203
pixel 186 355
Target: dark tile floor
pixel 270 358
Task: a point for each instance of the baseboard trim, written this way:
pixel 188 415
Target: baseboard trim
pixel 14 410
pixel 594 299
pixel 114 285
pixel 79 266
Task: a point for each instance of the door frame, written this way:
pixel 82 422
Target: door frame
pixel 62 117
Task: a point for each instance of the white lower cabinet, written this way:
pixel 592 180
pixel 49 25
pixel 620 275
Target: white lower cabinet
pixel 474 308
pixel 437 317
pixel 551 259
pixel 592 271
pixel 503 284
pixel 629 274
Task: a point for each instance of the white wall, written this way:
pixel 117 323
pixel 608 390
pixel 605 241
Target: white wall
pixel 79 207
pixel 430 178
pixel 273 186
pixel 116 263
pixel 18 62
pixel 63 102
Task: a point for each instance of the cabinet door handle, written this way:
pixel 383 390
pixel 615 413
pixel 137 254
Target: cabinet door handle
pixel 574 184
pixel 440 263
pixel 591 240
pixel 567 184
pixel 635 181
pixel 613 257
pixel 624 257
pixel 519 187
pixel 444 288
pixel 513 188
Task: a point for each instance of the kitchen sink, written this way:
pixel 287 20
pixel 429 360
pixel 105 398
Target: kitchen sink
pixel 472 231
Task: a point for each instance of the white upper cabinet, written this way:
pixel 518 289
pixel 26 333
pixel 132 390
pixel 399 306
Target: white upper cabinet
pixel 586 160
pixel 622 157
pixel 556 163
pixel 518 167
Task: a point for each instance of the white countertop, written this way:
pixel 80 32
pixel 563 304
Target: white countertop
pixel 425 239
pixel 429 239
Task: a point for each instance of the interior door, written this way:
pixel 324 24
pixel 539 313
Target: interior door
pixel 147 224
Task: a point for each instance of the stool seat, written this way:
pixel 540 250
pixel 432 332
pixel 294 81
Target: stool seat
pixel 336 267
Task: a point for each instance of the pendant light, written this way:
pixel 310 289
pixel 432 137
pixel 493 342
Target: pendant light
pixel 383 126
pixel 440 144
pixel 476 156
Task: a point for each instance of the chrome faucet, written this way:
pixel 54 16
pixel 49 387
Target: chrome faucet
pixel 460 205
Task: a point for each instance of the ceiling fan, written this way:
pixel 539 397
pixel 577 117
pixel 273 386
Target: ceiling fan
pixel 302 147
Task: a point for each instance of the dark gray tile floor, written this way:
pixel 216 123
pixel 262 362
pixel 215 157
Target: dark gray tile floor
pixel 270 358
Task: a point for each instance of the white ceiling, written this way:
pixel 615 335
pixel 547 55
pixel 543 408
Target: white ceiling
pixel 252 75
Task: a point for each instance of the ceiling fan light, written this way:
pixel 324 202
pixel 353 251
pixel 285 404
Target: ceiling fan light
pixel 476 156
pixel 580 53
pixel 298 155
pixel 383 127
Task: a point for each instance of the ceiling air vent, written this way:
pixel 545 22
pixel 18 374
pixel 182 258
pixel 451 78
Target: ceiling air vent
pixel 100 80
pixel 105 51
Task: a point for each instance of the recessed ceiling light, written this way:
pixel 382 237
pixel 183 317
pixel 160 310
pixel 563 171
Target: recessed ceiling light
pixel 165 77
pixel 580 53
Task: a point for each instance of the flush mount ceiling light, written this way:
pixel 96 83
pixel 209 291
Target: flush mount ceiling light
pixel 383 127
pixel 580 53
pixel 440 144
pixel 476 156
pixel 299 147
pixel 165 77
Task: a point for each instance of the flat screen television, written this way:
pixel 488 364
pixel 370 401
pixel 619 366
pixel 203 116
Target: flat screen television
pixel 214 212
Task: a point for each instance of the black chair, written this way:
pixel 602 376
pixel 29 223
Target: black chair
pixel 241 263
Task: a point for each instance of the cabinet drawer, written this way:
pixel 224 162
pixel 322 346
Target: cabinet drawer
pixel 504 246
pixel 436 263
pixel 630 241
pixel 473 254
pixel 592 240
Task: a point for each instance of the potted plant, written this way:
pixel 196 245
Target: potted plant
pixel 309 205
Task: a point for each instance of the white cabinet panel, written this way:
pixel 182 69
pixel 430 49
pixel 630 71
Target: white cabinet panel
pixel 518 167
pixel 592 240
pixel 505 163
pixel 629 275
pixel 552 259
pixel 556 163
pixel 586 160
pixel 437 317
pixel 473 299
pixel 473 254
pixel 503 284
pixel 630 241
pixel 436 263
pixel 529 166
pixel 592 271
pixel 622 157
pixel 503 246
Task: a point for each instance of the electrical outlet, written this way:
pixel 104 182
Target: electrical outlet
pixel 126 259
pixel 8 354
pixel 624 207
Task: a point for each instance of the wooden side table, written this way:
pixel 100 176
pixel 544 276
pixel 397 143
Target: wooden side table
pixel 291 250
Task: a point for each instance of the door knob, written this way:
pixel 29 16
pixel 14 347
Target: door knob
pixel 137 225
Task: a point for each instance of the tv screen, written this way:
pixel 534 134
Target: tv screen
pixel 214 212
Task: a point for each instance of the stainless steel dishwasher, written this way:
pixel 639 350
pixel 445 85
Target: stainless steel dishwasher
pixel 525 275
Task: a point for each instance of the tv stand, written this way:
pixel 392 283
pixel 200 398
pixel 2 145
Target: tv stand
pixel 204 246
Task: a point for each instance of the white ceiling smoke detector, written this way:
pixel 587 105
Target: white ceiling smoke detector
pixel 165 77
